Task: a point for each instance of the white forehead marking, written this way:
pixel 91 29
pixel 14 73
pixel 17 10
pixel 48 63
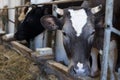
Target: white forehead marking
pixel 79 19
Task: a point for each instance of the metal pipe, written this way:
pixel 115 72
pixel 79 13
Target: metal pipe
pixel 8 8
pixel 50 3
pixel 56 2
pixel 107 35
pixel 16 18
pixel 115 31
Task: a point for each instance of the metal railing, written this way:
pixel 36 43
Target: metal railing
pixel 107 35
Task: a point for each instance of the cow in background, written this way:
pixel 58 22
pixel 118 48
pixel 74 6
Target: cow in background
pixel 4 18
pixel 31 26
pixel 23 11
pixel 78 28
pixel 98 40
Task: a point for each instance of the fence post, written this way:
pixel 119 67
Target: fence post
pixel 16 18
pixel 107 35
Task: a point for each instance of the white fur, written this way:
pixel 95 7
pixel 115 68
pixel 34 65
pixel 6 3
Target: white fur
pixel 79 19
pixel 80 68
pixel 29 9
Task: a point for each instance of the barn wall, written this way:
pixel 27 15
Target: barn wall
pixel 3 3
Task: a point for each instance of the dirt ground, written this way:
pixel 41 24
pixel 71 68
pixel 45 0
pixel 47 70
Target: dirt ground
pixel 14 66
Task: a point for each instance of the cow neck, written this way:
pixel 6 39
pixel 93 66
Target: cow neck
pixel 78 19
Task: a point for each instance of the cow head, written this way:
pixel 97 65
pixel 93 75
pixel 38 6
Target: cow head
pixel 78 30
pixel 31 26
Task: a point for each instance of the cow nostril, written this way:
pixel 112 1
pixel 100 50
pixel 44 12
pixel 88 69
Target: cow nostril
pixel 93 33
pixel 74 70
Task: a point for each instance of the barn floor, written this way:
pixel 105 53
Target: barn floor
pixel 14 66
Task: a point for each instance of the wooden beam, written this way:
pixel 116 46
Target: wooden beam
pixel 30 54
pixel 20 46
pixel 57 69
pixel 58 66
pixel 23 49
pixel 37 58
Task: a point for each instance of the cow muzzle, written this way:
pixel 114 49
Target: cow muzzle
pixel 80 70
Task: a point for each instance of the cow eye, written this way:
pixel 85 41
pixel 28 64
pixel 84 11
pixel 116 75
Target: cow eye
pixel 64 33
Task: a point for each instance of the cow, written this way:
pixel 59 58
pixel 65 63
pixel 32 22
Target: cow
pixel 23 12
pixel 78 28
pixel 98 40
pixel 4 17
pixel 31 26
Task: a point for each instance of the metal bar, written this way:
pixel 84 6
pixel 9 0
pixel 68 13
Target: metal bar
pixel 50 3
pixel 16 18
pixel 115 31
pixel 8 8
pixel 104 66
pixel 56 2
pixel 107 35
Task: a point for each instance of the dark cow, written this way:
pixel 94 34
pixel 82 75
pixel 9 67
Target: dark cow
pixel 78 30
pixel 98 40
pixel 31 26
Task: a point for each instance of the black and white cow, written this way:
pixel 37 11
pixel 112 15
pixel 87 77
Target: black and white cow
pixel 31 26
pixel 78 29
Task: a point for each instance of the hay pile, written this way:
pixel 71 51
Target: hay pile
pixel 15 67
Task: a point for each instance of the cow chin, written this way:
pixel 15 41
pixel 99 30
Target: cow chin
pixel 79 70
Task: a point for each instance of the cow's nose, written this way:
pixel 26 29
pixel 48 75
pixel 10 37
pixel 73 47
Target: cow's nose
pixel 81 70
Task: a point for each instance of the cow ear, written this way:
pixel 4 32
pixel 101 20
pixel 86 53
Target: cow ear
pixel 50 22
pixel 60 11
